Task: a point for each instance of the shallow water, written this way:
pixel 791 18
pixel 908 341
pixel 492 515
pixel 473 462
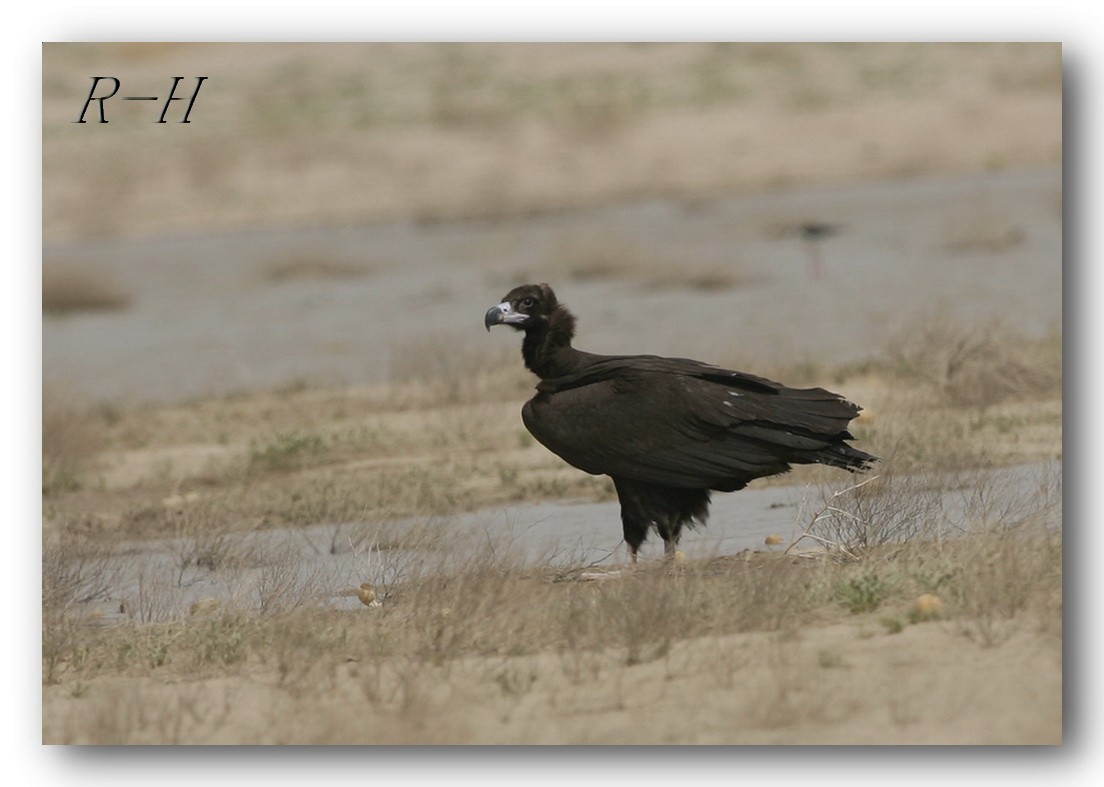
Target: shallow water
pixel 321 564
pixel 205 318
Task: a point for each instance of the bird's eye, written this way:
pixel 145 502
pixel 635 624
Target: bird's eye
pixel 527 302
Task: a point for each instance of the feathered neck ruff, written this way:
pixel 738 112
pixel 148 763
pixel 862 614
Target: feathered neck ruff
pixel 547 349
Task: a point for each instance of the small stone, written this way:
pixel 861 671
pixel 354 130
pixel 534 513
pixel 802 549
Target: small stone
pixel 773 540
pixel 367 595
pixel 927 607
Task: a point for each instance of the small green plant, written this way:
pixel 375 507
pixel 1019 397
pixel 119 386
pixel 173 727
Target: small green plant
pixel 63 479
pixel 865 593
pixel 286 451
pixel 219 641
pixel 933 579
pixel 893 624
pixel 515 682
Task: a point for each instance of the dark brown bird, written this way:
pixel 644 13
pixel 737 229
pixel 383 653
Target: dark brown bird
pixel 668 431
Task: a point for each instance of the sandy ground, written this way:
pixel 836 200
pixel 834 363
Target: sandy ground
pixel 841 683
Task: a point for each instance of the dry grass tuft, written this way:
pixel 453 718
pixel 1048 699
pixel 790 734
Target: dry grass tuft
pixel 309 267
pixel 71 439
pixel 977 367
pixel 69 289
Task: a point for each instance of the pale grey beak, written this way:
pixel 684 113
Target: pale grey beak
pixel 504 314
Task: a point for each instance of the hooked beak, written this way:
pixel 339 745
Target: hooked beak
pixel 504 314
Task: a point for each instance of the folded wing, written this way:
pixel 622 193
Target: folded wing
pixel 686 424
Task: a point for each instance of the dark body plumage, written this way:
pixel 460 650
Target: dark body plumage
pixel 668 431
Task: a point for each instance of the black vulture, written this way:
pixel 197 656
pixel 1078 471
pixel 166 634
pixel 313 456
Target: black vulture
pixel 668 431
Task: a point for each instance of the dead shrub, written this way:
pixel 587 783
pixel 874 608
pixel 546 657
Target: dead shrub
pixel 1002 502
pixel 886 508
pixel 281 583
pixel 976 366
pixel 206 539
pixel 76 570
pixel 155 599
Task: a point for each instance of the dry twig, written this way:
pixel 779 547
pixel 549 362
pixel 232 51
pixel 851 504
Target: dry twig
pixel 826 510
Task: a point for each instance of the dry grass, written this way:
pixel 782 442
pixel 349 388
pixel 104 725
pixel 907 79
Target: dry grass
pixel 471 644
pixel 312 267
pixel 978 367
pixel 821 643
pixel 72 439
pixel 67 289
pixel 446 436
pixel 447 130
pixel 488 639
pixel 487 604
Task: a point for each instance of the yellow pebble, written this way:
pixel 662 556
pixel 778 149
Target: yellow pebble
pixel 928 606
pixel 367 595
pixel 773 539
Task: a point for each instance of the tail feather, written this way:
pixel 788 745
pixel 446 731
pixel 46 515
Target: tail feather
pixel 846 457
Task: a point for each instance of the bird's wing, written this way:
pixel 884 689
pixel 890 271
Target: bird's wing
pixel 694 427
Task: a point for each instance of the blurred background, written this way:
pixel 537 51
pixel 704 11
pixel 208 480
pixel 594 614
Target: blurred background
pixel 345 213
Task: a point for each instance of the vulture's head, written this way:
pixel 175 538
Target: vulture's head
pixel 524 308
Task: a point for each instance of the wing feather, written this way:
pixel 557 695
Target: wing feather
pixel 686 424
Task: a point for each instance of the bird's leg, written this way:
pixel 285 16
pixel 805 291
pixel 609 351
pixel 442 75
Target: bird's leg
pixel 816 267
pixel 669 530
pixel 632 555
